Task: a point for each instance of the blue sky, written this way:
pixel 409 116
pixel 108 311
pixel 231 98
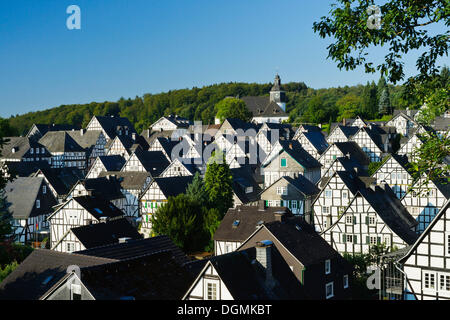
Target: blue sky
pixel 131 47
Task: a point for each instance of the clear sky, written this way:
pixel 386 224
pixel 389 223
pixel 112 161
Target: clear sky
pixel 131 47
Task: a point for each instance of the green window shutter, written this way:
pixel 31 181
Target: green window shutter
pixel 145 204
pixel 378 240
pixel 267 203
pixel 334 157
pixel 354 220
pixel 355 239
pixel 283 162
pixel 367 240
pixel 367 219
pixel 344 238
pixel 156 204
pixel 146 218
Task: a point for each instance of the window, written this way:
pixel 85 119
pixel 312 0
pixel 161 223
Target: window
pixel 327 266
pixel 346 281
pixel 75 290
pixel 447 243
pixel 328 193
pixel 371 220
pixel 329 290
pixel 37 150
pixel 444 282
pixel 31 151
pixel 70 247
pixel 325 210
pixel 429 280
pixel 38 204
pixel 44 189
pixel 283 162
pixel 348 219
pixel 344 195
pixel 211 291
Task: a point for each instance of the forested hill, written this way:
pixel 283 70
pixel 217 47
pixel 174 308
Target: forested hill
pixel 304 104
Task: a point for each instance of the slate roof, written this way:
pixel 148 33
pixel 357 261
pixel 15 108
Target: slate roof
pixel 62 179
pixel 441 124
pixel 153 161
pixel 44 128
pixel 106 187
pixel 60 141
pixel 85 139
pixel 25 168
pixel 128 180
pixel 137 248
pixel 393 213
pixel 299 154
pixel 248 217
pixel 348 131
pixel 152 277
pixel 40 271
pixel 354 150
pixel 110 125
pixel 101 234
pixel 245 278
pixel 113 162
pixel 243 178
pixel 303 185
pixel 263 107
pixel 173 186
pixel 21 196
pixel 22 147
pixel 317 140
pixel 305 244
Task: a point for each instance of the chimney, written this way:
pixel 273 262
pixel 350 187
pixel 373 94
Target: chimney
pixel 264 257
pixel 261 205
pixel 82 131
pixel 279 216
pixel 290 145
pixel 133 136
pixel 344 122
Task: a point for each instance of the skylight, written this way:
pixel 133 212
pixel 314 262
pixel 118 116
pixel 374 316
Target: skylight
pixel 47 280
pixel 236 223
pixel 98 210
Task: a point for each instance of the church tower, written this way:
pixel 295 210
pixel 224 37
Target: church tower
pixel 277 95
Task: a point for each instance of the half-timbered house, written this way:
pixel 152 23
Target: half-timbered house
pixel 76 212
pixel 313 142
pixel 64 150
pixel 93 142
pixel 23 149
pixel 154 162
pixel 341 133
pixel 105 163
pixel 403 122
pixel 111 126
pixel 288 158
pixel 394 171
pixel 60 180
pixel 30 201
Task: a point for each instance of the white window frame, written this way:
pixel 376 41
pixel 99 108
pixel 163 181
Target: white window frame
pixel 38 204
pixel 431 276
pixel 329 192
pixel 327 296
pixel 215 284
pixel 44 189
pixel 345 280
pixel 325 211
pixel 327 266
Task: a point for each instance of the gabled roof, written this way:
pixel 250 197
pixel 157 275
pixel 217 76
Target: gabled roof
pixel 424 234
pixel 128 180
pixel 98 207
pixel 317 140
pixel 303 242
pixel 62 179
pixel 441 124
pixel 40 271
pixel 391 210
pixel 245 278
pixel 240 124
pixel 113 162
pixel 21 196
pixel 102 234
pixel 263 107
pixel 303 185
pixel 107 187
pixel 137 248
pixel 110 125
pixel 85 139
pixel 44 128
pixel 249 217
pixel 25 168
pixel 295 150
pixel 172 186
pixel 21 146
pixel 354 150
pixel 153 161
pixel 152 277
pixel 243 178
pixel 348 131
pixel 60 141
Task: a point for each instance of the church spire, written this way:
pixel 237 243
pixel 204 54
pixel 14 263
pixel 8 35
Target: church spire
pixel 277 95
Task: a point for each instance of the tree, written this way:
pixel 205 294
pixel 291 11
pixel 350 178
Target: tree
pixel 232 108
pixel 401 30
pixel 219 182
pixel 181 220
pixel 349 106
pixel 5 218
pixel 196 190
pixel 384 105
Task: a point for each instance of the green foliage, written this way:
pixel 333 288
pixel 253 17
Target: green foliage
pixel 218 182
pixel 181 220
pixel 384 105
pixel 428 159
pixel 196 190
pixel 7 270
pixel 349 106
pixel 401 31
pixel 232 108
pixel 374 166
pixel 10 252
pixel 5 217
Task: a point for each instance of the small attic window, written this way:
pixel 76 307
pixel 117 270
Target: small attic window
pixel 298 227
pixel 236 223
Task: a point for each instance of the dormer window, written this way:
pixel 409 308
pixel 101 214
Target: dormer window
pixel 31 151
pixel 327 266
pixel 38 204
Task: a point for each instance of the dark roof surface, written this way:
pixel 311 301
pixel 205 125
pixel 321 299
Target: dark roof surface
pixel 62 179
pixel 173 186
pixel 263 107
pixel 299 154
pixel 21 195
pixel 60 141
pixel 40 271
pixel 101 234
pixel 249 217
pixel 98 207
